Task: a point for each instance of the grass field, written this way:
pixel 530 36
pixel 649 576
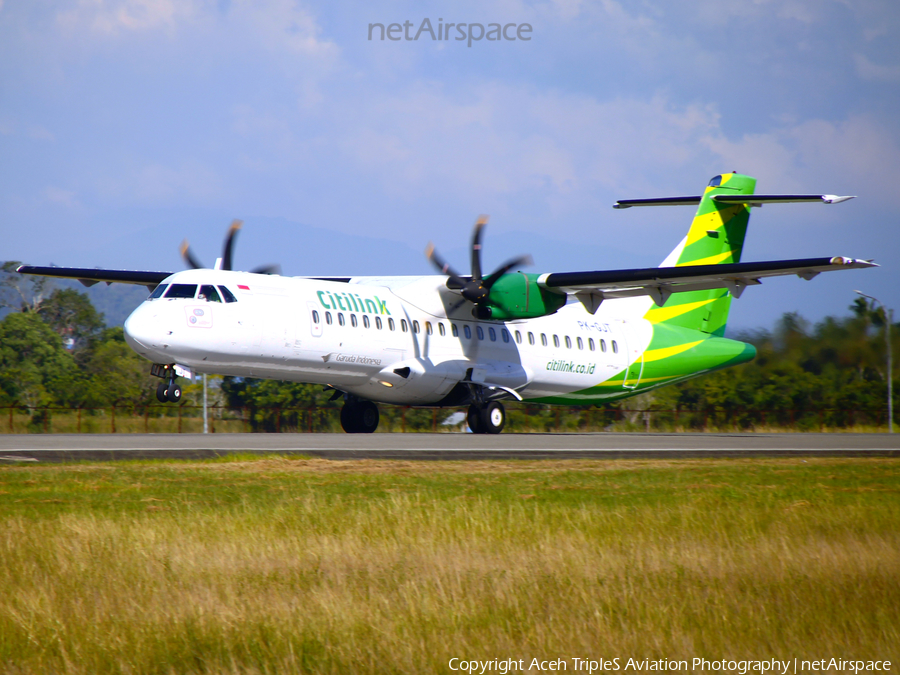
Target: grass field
pixel 281 565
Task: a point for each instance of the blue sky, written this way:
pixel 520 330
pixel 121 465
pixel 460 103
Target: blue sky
pixel 127 125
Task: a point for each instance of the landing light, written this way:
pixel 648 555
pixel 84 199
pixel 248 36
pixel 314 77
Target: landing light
pixel 386 384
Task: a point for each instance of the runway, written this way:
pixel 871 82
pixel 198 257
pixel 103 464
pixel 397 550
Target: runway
pixel 16 448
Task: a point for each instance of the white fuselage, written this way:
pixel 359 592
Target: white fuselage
pixel 361 336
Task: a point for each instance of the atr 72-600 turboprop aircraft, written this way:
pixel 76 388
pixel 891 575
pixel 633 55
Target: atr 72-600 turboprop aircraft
pixel 453 340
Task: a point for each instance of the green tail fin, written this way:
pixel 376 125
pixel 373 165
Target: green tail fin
pixel 716 237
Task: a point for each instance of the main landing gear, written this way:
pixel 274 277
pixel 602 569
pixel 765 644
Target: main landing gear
pixel 487 419
pixel 359 416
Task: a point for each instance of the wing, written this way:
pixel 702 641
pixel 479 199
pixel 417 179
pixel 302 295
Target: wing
pixel 660 282
pixel 89 277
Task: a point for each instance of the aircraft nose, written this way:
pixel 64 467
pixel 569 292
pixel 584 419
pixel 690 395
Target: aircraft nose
pixel 142 333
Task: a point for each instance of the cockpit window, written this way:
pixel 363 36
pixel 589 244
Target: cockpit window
pixel 182 291
pixel 209 293
pixel 716 181
pixel 158 291
pixel 228 295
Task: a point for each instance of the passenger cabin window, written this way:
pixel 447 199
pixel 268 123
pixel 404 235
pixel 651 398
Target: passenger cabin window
pixel 209 294
pixel 480 331
pixel 615 347
pixel 315 316
pixel 544 339
pixel 353 320
pixel 454 330
pixel 505 334
pixel 531 338
pixel 182 291
pixel 602 345
pixel 468 332
pixel 591 344
pixel 580 343
pixel 492 333
pixel 441 329
pixel 158 291
pixel 568 342
pixel 228 295
pixel 403 325
pixel 518 338
pixel 340 318
pixel 378 322
pixel 328 318
pixel 428 328
pixel 556 341
pixel 365 321
pixel 415 326
pixel 391 325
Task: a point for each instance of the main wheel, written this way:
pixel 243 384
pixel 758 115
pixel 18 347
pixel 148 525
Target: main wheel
pixel 473 419
pixel 161 393
pixel 349 418
pixel 173 393
pixel 366 417
pixel 493 418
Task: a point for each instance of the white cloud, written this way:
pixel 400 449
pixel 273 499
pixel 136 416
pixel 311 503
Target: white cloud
pixel 875 72
pixel 858 153
pixel 66 198
pixel 112 17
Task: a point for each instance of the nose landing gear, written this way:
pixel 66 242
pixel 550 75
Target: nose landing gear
pixel 166 392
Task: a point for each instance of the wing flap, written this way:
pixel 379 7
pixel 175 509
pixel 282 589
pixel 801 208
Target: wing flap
pixel 759 200
pixel 661 282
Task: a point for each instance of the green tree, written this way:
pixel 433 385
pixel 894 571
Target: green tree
pixel 22 292
pixel 35 368
pixel 115 374
pixel 72 316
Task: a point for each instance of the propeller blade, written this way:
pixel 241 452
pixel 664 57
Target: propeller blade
pixel 229 243
pixel 503 269
pixel 267 269
pixel 189 257
pixel 476 246
pixel 444 267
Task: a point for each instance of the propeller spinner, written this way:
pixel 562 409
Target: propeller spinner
pixel 476 289
pixel 224 263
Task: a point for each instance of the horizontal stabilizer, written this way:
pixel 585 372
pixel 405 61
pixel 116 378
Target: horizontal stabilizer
pixel 89 276
pixel 752 200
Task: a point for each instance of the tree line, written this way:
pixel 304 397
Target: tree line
pixel 56 351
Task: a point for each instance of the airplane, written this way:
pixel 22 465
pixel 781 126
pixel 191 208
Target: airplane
pixel 472 341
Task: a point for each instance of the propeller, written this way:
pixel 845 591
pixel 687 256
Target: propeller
pixel 476 289
pixel 225 262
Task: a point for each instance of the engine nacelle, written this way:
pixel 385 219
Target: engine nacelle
pixel 518 296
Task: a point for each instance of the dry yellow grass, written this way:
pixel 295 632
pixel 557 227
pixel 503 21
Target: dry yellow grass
pixel 282 565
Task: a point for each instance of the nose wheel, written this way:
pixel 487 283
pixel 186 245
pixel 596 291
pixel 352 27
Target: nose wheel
pixel 489 419
pixel 167 391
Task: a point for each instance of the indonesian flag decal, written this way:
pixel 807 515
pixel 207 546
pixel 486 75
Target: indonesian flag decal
pixel 245 289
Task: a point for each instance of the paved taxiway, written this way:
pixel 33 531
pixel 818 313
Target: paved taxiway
pixel 65 447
